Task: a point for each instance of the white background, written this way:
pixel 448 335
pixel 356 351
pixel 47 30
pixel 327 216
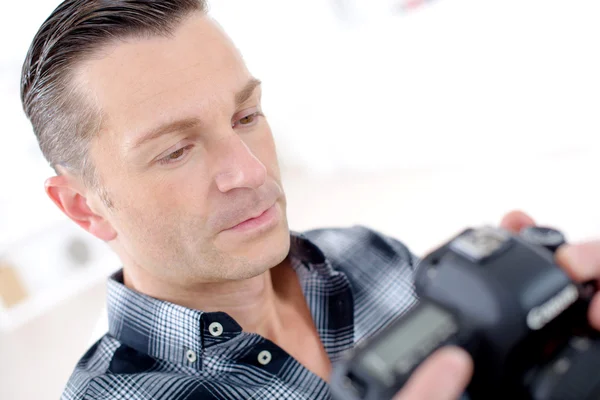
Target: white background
pixel 454 82
pixel 415 123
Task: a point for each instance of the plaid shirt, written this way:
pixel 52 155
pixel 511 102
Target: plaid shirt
pixel 355 281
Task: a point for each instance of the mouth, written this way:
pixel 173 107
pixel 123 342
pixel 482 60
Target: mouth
pixel 260 219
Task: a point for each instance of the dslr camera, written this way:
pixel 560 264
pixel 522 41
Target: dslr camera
pixel 503 299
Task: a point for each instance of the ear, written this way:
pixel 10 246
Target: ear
pixel 65 192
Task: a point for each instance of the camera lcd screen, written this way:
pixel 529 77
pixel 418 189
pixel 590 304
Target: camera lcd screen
pixel 419 333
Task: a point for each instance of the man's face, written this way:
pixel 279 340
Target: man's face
pixel 185 154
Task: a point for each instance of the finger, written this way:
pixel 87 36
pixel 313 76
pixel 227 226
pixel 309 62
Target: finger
pixel 580 261
pixel 443 376
pixel 515 221
pixel 594 312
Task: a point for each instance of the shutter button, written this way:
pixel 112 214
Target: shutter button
pixel 215 329
pixel 264 357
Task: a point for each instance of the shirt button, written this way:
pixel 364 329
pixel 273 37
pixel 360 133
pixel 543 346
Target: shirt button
pixel 215 329
pixel 264 357
pixel 191 356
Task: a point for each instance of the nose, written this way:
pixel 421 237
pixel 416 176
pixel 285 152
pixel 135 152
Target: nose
pixel 236 165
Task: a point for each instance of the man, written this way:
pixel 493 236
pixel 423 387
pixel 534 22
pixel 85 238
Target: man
pixel 154 126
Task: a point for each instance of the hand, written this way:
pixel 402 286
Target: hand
pixel 581 261
pixel 443 376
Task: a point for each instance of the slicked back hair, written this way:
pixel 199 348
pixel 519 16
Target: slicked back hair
pixel 63 119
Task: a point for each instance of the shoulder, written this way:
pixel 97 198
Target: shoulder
pixel 94 363
pixel 111 370
pixel 361 246
pixel 379 268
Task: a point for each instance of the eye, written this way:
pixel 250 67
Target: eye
pixel 175 156
pixel 248 120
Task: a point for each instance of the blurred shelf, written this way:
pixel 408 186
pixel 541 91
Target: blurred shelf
pixel 26 217
pixel 52 264
pixel 42 302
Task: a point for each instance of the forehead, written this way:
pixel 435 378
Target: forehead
pixel 138 83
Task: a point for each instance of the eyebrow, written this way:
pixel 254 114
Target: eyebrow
pixel 188 123
pixel 246 93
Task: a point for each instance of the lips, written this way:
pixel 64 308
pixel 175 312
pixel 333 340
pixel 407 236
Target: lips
pixel 243 207
pixel 251 216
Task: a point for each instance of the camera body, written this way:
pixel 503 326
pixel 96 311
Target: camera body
pixel 502 298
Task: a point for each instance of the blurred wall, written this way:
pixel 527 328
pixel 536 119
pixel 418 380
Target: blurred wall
pixel 415 118
pixel 450 82
pixel 360 85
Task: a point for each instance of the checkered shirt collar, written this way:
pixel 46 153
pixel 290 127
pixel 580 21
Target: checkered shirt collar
pixel 168 331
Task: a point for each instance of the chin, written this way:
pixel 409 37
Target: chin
pixel 262 257
pixel 273 248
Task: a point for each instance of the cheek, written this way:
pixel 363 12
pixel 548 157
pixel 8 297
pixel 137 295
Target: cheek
pixel 161 222
pixel 173 194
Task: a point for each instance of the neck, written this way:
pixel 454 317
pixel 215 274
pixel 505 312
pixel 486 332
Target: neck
pixel 258 304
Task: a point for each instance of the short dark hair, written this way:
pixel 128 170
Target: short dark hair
pixel 63 120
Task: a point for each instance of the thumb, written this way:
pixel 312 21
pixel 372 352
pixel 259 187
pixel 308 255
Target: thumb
pixel 516 221
pixel 443 376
